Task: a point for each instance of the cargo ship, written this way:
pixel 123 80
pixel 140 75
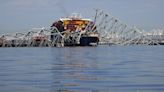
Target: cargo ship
pixel 77 31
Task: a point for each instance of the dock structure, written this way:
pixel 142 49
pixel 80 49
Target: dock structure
pixel 110 30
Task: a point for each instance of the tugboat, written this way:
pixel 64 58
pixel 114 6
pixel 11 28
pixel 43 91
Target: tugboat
pixel 77 31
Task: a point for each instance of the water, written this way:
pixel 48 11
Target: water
pixel 82 69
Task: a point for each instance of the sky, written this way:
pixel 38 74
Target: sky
pixel 23 15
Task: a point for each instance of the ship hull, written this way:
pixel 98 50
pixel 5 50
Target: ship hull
pixel 89 41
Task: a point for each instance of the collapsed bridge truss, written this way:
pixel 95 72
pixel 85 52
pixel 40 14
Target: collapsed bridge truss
pixel 114 31
pixel 110 29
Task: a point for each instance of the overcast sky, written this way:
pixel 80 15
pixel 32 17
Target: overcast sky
pixel 22 15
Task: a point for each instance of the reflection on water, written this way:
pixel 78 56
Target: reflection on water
pixel 82 69
pixel 74 69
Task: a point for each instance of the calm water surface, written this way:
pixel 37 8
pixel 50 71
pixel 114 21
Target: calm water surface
pixel 82 69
